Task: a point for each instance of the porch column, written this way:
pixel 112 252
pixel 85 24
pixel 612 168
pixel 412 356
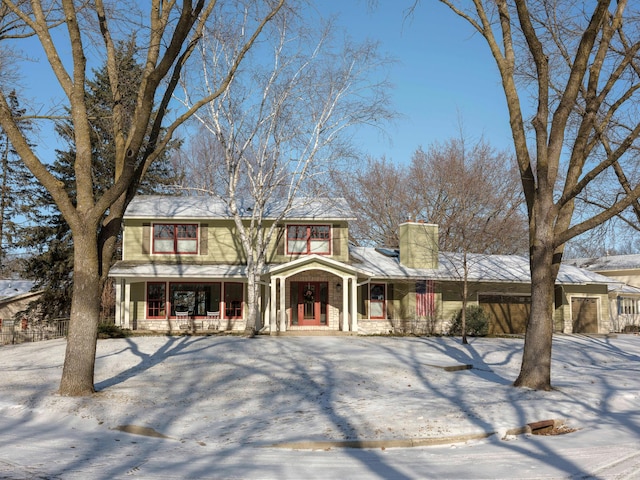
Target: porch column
pixel 119 302
pixel 266 320
pixel 283 314
pixel 354 304
pixel 345 304
pixel 127 304
pixel 273 283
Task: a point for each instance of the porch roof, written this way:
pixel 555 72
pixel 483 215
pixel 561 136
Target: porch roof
pixel 309 260
pixel 624 289
pixel 176 270
pixel 385 263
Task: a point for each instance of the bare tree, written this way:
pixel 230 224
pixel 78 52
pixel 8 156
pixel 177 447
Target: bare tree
pixel 579 65
pixel 381 196
pixel 476 200
pixel 171 32
pixel 279 129
pixel 470 190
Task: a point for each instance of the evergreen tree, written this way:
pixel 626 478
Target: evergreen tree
pixel 15 183
pixel 52 264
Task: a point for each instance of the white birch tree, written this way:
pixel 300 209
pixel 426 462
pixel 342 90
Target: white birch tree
pixel 280 127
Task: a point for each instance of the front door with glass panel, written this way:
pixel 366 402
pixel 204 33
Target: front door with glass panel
pixel 309 303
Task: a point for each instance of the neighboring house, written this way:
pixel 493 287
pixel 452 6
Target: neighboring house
pixel 15 296
pixel 184 268
pixel 624 291
pixel 17 327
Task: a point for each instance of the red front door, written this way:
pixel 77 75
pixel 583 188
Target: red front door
pixel 311 303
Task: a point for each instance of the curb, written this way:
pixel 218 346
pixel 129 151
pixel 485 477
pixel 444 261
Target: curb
pixel 400 443
pixel 529 429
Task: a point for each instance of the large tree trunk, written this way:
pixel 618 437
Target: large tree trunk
pixel 77 373
pixel 535 371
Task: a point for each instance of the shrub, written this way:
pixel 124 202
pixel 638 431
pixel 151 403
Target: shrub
pixel 110 330
pixel 477 322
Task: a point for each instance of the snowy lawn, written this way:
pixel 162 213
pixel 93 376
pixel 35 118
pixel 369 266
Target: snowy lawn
pixel 228 407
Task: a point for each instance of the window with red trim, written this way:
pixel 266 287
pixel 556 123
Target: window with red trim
pixel 156 300
pixel 377 300
pixel 233 297
pixel 175 238
pixel 308 239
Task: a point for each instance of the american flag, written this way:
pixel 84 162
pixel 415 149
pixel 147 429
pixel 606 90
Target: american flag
pixel 425 298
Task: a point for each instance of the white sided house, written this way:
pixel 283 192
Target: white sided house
pixel 184 269
pixel 624 294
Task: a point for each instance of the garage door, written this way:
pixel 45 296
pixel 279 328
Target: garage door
pixel 508 313
pixel 584 315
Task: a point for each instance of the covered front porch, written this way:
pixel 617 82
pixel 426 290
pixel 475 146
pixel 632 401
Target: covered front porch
pixel 312 294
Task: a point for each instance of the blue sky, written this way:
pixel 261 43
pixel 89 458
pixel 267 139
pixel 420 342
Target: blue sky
pixel 445 73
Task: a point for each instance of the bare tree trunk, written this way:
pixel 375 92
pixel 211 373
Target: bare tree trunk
pixel 77 373
pixel 535 371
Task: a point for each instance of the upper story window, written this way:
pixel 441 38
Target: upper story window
pixel 175 238
pixel 308 239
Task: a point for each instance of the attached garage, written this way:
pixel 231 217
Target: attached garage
pixel 509 313
pixel 584 314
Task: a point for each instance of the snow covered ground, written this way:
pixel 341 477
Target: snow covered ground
pixel 225 407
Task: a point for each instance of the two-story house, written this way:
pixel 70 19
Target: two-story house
pixel 183 267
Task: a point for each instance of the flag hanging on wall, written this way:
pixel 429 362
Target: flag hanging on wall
pixel 425 298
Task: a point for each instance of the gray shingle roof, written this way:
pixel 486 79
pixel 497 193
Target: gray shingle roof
pixel 190 207
pixel 13 288
pixel 485 268
pixel 610 262
pixel 375 264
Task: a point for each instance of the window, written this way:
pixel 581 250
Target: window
pixel 170 238
pixel 308 239
pixel 233 295
pixel 156 300
pixel 377 300
pixel 627 306
pixel 195 298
